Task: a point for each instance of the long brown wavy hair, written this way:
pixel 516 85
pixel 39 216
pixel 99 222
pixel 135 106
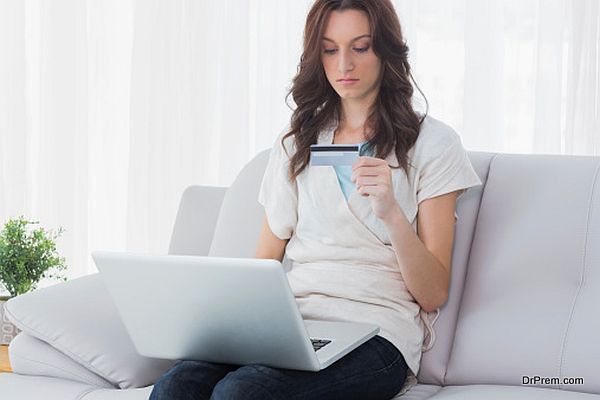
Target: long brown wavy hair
pixel 392 118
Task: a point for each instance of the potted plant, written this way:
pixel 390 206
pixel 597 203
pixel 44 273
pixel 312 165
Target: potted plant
pixel 26 257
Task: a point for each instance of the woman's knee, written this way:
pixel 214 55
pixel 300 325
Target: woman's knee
pixel 167 384
pixel 164 388
pixel 187 377
pixel 245 383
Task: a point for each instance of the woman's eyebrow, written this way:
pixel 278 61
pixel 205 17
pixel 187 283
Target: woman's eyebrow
pixel 353 40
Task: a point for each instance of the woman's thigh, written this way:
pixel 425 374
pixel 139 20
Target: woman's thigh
pixel 375 370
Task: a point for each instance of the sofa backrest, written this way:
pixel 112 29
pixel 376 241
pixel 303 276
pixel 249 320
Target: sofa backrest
pixel 533 279
pixel 196 220
pixel 240 219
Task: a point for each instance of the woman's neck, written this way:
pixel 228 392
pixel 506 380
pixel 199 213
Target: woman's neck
pixel 353 117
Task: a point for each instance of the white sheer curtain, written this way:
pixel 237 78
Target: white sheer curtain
pixel 65 75
pixel 109 109
pixel 517 76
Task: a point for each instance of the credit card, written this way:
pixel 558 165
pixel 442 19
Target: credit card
pixel 333 154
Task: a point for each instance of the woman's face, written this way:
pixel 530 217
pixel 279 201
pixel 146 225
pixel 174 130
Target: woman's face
pixel 350 64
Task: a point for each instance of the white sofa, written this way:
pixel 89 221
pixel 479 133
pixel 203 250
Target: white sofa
pixel 524 294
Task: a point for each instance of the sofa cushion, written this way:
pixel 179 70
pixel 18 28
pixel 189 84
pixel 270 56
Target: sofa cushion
pixel 240 218
pixel 31 356
pixel 530 301
pixel 79 319
pixel 196 219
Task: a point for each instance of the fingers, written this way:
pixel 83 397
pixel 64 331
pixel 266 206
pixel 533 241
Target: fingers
pixel 382 171
pixel 362 190
pixel 374 190
pixel 364 161
pixel 369 181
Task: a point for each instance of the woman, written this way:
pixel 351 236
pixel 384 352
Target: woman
pixel 350 232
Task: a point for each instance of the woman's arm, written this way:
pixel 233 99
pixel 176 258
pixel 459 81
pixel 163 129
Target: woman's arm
pixel 425 258
pixel 270 246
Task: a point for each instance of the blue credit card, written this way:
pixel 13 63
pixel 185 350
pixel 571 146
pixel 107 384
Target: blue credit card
pixel 333 154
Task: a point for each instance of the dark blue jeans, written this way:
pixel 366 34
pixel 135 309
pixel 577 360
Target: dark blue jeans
pixel 375 370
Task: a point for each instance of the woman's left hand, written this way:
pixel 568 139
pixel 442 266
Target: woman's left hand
pixel 373 178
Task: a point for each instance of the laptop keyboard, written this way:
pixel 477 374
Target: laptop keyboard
pixel 318 344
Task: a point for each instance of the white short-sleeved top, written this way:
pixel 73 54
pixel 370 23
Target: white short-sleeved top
pixel 342 264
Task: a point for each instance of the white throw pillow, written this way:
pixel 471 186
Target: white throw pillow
pixel 79 319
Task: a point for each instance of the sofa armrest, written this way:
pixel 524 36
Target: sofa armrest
pixel 196 220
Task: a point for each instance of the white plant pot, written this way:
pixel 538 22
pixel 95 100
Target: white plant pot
pixel 7 330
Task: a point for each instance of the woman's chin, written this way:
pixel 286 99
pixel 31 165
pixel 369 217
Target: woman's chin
pixel 349 94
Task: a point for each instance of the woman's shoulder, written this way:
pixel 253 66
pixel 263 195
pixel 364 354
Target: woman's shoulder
pixel 434 138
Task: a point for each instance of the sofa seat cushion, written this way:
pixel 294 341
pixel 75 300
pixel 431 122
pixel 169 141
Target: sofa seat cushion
pixel 21 387
pixel 499 392
pixel 28 387
pixel 15 386
pixel 119 394
pixel 419 392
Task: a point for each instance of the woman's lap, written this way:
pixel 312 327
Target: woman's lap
pixel 375 370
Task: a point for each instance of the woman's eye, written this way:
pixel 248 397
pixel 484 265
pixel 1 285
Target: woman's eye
pixel 357 49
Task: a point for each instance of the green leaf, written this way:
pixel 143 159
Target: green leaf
pixel 28 255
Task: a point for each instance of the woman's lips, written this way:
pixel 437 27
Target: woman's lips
pixel 347 81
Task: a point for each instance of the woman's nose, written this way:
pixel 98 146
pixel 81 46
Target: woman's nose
pixel 345 62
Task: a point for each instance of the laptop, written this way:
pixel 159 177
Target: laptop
pixel 226 310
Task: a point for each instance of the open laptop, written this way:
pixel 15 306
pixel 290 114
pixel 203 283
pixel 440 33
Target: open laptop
pixel 226 310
